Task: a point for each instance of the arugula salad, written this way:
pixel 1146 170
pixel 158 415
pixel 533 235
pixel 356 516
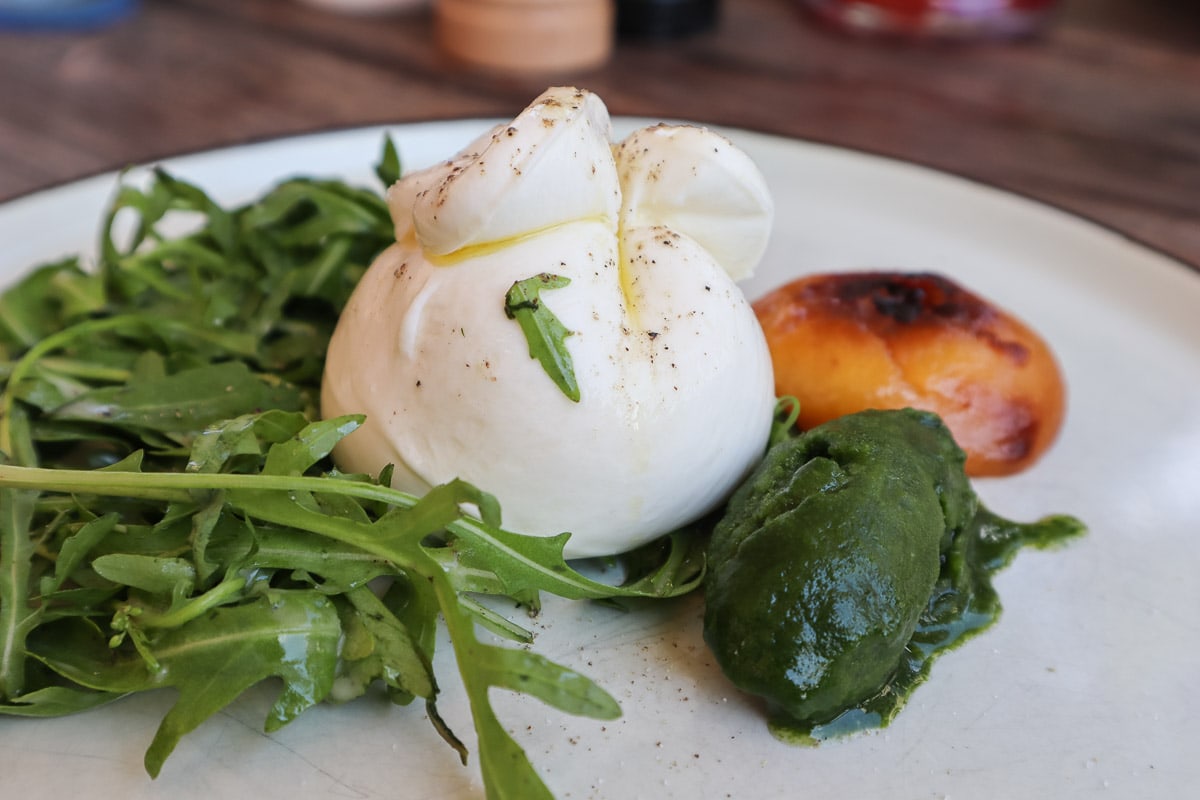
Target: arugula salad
pixel 170 516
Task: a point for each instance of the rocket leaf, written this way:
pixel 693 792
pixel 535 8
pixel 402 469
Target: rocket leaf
pixel 543 331
pixel 170 516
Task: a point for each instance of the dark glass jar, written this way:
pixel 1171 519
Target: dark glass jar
pixel 664 19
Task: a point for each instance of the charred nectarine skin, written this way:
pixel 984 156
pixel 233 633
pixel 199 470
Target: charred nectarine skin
pixel 845 342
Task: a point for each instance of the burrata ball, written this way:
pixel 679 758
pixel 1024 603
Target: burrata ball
pixel 675 386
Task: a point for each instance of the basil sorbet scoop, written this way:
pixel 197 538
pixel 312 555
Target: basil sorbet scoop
pixel 828 555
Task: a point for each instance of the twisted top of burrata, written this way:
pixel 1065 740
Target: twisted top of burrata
pixel 674 388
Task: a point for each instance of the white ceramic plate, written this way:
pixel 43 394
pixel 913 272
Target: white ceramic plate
pixel 1085 684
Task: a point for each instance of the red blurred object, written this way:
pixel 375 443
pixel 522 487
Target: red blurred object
pixel 944 19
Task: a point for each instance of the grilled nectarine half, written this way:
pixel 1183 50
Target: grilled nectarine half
pixel 849 341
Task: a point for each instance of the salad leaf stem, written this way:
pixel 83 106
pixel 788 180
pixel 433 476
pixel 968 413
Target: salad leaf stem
pixel 16 617
pixel 480 540
pixel 217 596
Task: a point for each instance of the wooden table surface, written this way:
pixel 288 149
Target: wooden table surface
pixel 1100 115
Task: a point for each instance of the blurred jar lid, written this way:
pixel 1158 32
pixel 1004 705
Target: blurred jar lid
pixel 62 14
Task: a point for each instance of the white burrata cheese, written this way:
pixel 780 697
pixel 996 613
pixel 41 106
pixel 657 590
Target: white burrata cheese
pixel 675 381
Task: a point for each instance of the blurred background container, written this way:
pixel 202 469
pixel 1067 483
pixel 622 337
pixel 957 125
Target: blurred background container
pixel 62 14
pixel 366 6
pixel 943 19
pixel 542 36
pixel 664 19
